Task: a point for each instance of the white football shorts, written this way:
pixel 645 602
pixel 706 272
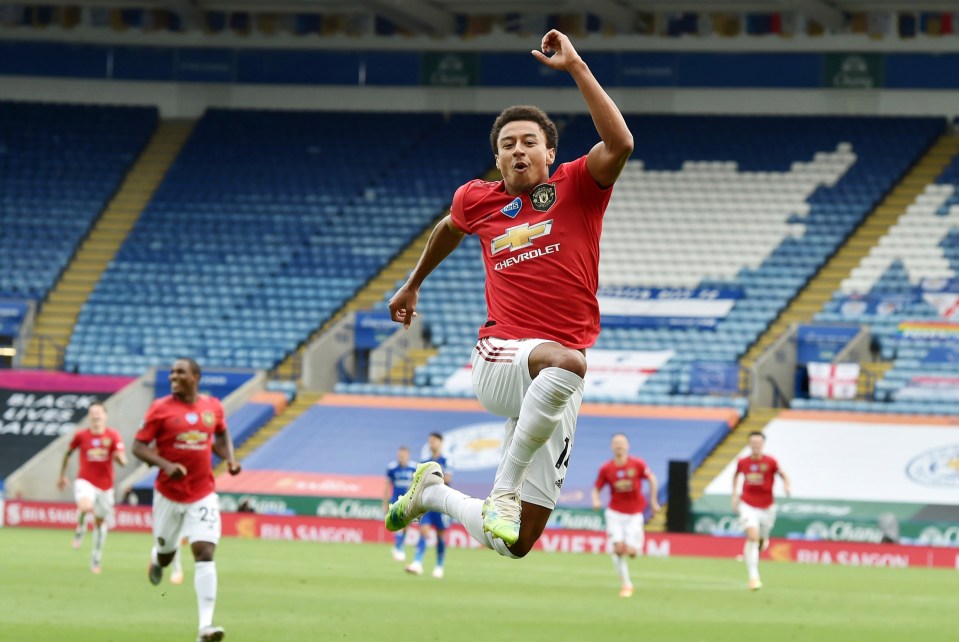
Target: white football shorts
pixel 103 500
pixel 625 528
pixel 198 522
pixel 500 380
pixel 762 519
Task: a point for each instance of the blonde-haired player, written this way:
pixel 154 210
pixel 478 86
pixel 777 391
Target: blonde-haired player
pixel 99 447
pixel 624 516
pixel 756 507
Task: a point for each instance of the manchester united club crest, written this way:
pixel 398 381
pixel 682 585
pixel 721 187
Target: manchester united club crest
pixel 543 196
pixel 208 418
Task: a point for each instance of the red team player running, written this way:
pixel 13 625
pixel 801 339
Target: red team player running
pixel 624 516
pixel 540 239
pixel 185 427
pixel 99 447
pixel 757 512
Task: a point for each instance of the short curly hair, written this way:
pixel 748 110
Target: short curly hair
pixel 524 112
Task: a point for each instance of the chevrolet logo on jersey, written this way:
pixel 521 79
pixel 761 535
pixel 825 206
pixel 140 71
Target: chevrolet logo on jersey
pixel 516 238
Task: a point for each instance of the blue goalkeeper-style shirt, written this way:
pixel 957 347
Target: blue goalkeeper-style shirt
pixel 401 477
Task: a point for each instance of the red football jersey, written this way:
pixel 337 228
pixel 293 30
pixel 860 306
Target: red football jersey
pixel 96 455
pixel 758 477
pixel 184 435
pixel 541 253
pixel 625 484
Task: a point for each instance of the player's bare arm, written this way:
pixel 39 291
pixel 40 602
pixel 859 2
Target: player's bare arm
pixel 653 493
pixel 443 240
pixel 223 447
pixel 148 455
pixel 736 492
pixel 62 481
pixel 597 504
pixel 387 493
pixel 120 458
pixel 786 485
pixel 607 158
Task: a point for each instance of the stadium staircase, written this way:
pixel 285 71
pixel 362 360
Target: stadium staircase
pixel 378 287
pixel 821 287
pixel 817 292
pixel 59 314
pixel 303 402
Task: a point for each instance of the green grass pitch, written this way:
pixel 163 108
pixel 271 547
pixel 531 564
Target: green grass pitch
pixel 295 591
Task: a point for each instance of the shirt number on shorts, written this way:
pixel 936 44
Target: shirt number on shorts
pixel 563 460
pixel 208 515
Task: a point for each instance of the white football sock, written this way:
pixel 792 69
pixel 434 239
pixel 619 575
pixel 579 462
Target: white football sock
pixel 542 408
pixel 204 583
pixel 463 508
pixel 153 556
pixel 622 569
pixel 99 539
pixel 178 561
pixel 751 555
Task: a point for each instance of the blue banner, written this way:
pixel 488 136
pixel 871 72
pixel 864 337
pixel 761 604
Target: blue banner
pixel 216 383
pixel 821 343
pixel 714 379
pixel 634 307
pixel 939 285
pixel 12 314
pixel 372 328
pixel 493 69
pixel 879 305
pixel 941 354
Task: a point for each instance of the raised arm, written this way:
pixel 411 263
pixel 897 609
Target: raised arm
pixel 443 240
pixel 607 158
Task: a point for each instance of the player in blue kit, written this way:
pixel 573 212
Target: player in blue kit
pixel 399 475
pixel 437 521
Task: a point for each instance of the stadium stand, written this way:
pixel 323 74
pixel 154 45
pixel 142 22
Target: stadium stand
pixel 748 204
pixel 905 292
pixel 263 228
pixel 59 165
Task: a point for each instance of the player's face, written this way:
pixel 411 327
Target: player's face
pixel 435 444
pixel 756 444
pixel 98 418
pixel 620 446
pixel 522 156
pixel 182 379
pixel 402 456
